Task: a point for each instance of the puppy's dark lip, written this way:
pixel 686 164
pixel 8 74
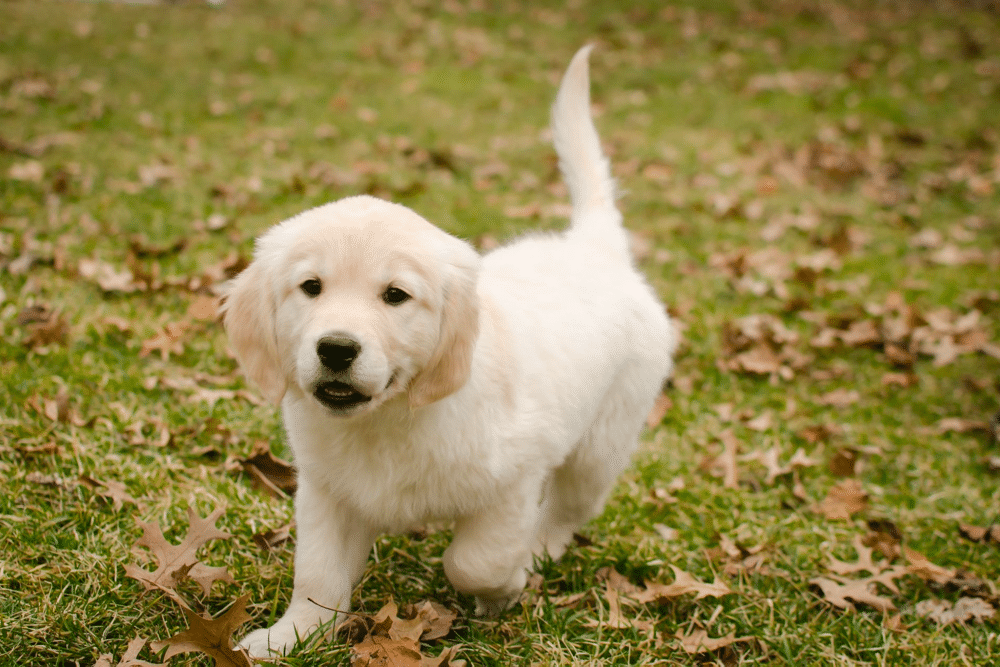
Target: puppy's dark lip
pixel 339 395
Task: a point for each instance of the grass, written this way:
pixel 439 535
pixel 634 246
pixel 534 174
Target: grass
pixel 121 121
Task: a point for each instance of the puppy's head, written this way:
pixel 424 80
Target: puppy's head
pixel 356 302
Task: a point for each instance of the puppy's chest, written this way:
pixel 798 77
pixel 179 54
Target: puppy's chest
pixel 397 485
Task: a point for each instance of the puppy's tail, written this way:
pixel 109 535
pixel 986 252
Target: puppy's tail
pixel 583 164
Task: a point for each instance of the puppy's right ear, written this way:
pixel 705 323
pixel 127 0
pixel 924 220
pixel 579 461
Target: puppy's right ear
pixel 248 316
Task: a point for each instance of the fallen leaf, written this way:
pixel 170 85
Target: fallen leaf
pixel 862 591
pixel 683 583
pixel 962 425
pixel 107 277
pixel 43 326
pixel 964 610
pixel 269 539
pixel 989 533
pixel 270 473
pixel 843 500
pixel 618 582
pixel 204 307
pixel 211 636
pixel 920 566
pixel 436 619
pixel 727 459
pixel 178 562
pixel 661 406
pixel 391 639
pixel 698 641
pixel 840 398
pixel 616 618
pixel 167 341
pixel 130 658
pixel 769 458
pixel 863 564
pixel 378 651
pixel 114 490
pixel 842 463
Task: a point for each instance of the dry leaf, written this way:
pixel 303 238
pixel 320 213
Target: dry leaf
pixel 130 658
pixel 378 651
pixel 44 326
pixel 964 610
pixel 840 398
pixel 859 590
pixel 920 566
pixel 769 458
pixel 178 562
pixel 683 583
pixel 114 490
pixel 617 582
pixel 204 307
pixel 388 639
pixel 863 564
pixel 727 459
pixel 107 277
pixel 843 500
pixel 435 618
pixel 616 618
pixel 270 539
pixel 698 641
pixel 990 533
pixel 270 473
pixel 167 341
pixel 211 636
pixel 842 463
pixel 658 411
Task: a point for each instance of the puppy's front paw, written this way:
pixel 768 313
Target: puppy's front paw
pixel 270 642
pixel 494 606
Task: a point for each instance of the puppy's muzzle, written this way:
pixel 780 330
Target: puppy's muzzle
pixel 337 353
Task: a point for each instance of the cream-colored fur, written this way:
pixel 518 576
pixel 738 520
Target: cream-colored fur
pixel 420 381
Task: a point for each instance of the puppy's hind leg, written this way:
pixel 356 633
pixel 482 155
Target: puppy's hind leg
pixel 490 554
pixel 578 489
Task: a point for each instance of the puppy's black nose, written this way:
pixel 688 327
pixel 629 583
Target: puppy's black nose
pixel 337 352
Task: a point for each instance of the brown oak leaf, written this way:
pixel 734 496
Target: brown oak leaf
pixel 842 593
pixel 178 562
pixel 211 636
pixel 683 583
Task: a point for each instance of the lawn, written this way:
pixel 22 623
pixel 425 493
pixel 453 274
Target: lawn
pixel 814 191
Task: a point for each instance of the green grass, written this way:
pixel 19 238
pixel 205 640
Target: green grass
pixel 260 110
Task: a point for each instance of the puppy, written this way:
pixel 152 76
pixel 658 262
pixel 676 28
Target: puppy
pixel 419 381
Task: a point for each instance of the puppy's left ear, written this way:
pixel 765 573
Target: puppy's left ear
pixel 248 316
pixel 450 365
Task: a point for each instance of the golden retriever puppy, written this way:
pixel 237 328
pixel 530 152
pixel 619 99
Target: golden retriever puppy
pixel 420 381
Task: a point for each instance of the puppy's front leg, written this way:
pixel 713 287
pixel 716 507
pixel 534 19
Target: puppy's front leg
pixel 491 552
pixel 332 548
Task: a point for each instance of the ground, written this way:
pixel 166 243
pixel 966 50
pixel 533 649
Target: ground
pixel 813 189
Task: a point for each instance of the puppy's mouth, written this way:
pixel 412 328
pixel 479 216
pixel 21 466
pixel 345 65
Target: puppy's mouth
pixel 339 396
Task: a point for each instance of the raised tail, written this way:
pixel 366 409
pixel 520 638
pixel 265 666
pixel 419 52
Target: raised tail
pixel 584 166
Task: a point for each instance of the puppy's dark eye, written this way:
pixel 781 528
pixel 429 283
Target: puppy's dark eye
pixel 312 287
pixel 394 296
